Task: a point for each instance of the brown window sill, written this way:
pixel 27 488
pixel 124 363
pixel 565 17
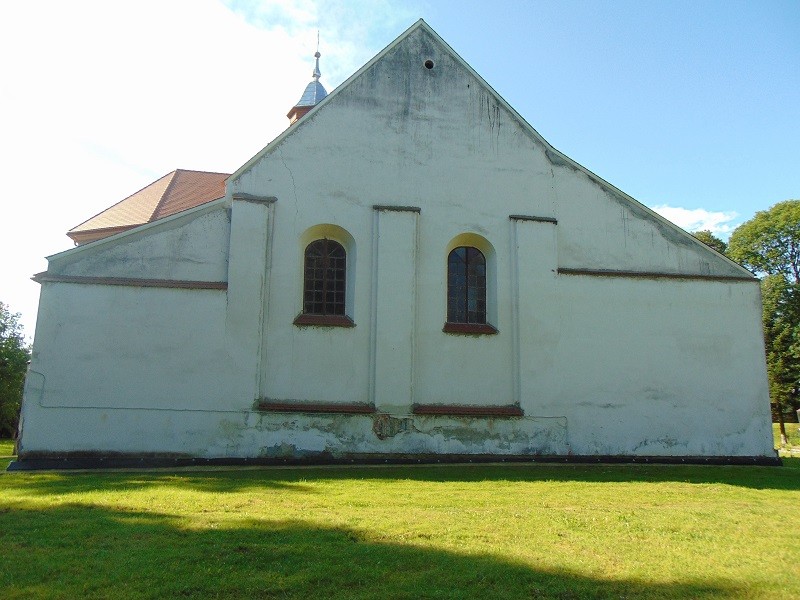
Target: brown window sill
pixel 470 328
pixel 456 410
pixel 314 407
pixel 304 319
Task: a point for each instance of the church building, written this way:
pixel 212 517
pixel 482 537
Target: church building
pixel 409 272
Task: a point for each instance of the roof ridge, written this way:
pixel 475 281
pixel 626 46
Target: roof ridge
pixel 164 196
pixel 123 200
pixel 200 171
pixel 189 186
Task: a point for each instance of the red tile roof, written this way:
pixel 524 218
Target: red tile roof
pixel 173 193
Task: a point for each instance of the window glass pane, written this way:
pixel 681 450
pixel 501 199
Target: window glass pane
pixel 324 278
pixel 466 286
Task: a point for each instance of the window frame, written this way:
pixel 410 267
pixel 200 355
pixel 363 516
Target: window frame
pixel 336 235
pixel 466 284
pixel 324 275
pixel 486 250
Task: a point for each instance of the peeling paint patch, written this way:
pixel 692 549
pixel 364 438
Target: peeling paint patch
pixel 604 405
pixel 386 426
pixel 664 442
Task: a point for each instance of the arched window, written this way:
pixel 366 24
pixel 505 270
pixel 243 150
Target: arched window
pixel 466 286
pixel 325 276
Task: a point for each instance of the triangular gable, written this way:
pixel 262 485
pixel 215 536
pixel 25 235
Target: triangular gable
pixel 555 157
pixel 137 231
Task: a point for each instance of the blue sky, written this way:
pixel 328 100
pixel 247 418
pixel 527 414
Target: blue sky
pixel 693 108
pixel 688 104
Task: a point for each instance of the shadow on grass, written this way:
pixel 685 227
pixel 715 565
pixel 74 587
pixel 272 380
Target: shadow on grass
pixel 232 479
pixel 86 551
pixel 60 482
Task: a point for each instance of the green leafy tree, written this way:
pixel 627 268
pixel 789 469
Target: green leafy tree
pixel 709 239
pixel 781 318
pixel 14 356
pixel 769 245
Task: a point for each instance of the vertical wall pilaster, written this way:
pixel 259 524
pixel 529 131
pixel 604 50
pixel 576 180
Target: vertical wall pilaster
pixel 534 311
pixel 393 313
pixel 248 285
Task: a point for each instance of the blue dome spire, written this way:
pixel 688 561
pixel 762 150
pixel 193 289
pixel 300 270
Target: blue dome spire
pixel 314 92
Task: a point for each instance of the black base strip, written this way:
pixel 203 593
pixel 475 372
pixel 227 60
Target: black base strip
pixel 150 462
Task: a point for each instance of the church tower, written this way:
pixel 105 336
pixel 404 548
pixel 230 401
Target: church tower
pixel 313 95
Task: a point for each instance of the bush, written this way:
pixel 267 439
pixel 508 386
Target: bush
pixel 14 357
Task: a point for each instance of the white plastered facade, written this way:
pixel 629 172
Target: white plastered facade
pixel 618 334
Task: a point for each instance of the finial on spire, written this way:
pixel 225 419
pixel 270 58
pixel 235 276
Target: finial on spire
pixel 316 74
pixel 313 94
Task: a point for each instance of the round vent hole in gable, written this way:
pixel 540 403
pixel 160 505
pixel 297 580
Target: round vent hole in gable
pixel 429 64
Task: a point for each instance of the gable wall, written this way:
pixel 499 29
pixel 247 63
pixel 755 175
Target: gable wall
pixel 599 365
pixel 438 140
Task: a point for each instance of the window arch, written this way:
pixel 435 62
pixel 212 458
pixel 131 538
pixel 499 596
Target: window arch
pixel 325 285
pixel 325 277
pixel 466 286
pixel 471 299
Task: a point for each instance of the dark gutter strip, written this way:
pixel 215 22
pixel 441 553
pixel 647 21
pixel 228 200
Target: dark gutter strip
pixel 323 320
pixel 309 407
pixel 391 208
pixel 536 219
pixel 256 199
pixel 454 410
pixel 470 328
pixel 57 462
pixel 649 275
pixel 131 282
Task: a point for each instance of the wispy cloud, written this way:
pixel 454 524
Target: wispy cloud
pixel 95 113
pixel 351 31
pixel 719 223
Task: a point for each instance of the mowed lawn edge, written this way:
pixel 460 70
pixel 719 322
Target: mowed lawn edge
pixel 6 453
pixel 507 531
pixel 792 431
pixel 793 437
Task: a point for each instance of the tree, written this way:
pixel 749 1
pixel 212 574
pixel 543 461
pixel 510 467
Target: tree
pixel 14 356
pixel 781 319
pixel 709 239
pixel 769 245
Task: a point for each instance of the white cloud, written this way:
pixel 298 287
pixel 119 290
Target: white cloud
pixel 101 98
pixel 697 219
pixel 350 31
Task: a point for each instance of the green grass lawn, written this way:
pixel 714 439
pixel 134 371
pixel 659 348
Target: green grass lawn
pixel 792 432
pixel 519 531
pixel 6 453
